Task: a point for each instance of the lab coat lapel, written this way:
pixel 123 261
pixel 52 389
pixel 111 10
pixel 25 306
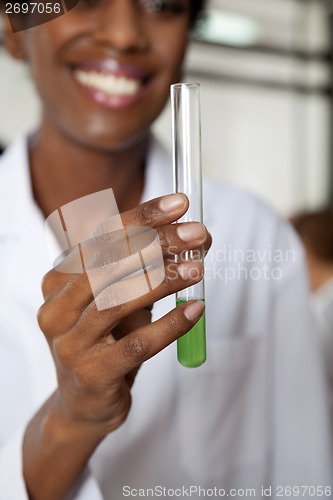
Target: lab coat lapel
pixel 24 262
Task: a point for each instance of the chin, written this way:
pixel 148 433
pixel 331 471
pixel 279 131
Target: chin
pixel 104 141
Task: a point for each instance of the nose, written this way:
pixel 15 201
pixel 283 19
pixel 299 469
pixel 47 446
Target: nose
pixel 120 26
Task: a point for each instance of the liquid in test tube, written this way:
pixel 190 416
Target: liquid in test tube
pixel 187 174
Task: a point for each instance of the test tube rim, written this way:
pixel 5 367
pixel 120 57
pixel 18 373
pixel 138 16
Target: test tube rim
pixel 185 85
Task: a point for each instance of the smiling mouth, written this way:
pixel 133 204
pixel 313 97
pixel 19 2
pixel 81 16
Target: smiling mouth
pixel 109 84
pixel 108 80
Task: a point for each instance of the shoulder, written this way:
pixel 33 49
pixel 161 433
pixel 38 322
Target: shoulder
pixel 219 196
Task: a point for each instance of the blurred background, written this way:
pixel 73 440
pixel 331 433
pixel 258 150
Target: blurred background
pixel 266 72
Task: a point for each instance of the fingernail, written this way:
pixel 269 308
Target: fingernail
pixel 194 310
pixel 172 202
pixel 191 231
pixel 190 270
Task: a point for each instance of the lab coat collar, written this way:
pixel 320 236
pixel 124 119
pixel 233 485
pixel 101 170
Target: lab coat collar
pixel 19 207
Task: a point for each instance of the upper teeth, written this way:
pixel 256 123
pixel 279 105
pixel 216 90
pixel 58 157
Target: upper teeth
pixel 110 84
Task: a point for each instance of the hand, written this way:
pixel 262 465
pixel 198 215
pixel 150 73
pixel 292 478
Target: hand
pixel 97 353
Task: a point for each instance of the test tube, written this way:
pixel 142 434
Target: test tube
pixel 187 176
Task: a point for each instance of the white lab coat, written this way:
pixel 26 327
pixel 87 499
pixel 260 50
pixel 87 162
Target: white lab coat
pixel 255 414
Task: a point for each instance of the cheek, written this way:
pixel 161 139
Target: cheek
pixel 169 47
pixel 40 54
pixel 52 78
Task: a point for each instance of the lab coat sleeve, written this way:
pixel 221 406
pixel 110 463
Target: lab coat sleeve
pixel 12 484
pixel 302 445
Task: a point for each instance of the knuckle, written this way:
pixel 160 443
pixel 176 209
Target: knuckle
pixel 163 238
pixel 176 323
pixel 145 214
pixel 103 344
pixel 44 318
pixel 136 348
pixel 48 283
pixel 91 315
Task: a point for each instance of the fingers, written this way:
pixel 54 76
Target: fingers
pixel 119 260
pixel 177 238
pixel 93 324
pixel 111 360
pixel 141 246
pixel 132 350
pixel 114 302
pixel 157 212
pixel 153 214
pixel 111 261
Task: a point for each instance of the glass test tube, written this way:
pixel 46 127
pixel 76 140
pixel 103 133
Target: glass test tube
pixel 187 174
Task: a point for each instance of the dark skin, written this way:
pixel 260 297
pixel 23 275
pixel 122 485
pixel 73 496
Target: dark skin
pixel 78 150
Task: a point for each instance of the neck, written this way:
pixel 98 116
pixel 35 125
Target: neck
pixel 63 171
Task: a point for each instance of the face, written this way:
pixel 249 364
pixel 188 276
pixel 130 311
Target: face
pixel 104 69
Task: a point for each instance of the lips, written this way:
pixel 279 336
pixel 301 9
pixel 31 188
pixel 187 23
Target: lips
pixel 110 83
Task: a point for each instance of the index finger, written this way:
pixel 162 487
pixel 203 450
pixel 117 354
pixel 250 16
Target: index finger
pixel 153 213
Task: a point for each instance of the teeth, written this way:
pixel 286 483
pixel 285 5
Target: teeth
pixel 109 84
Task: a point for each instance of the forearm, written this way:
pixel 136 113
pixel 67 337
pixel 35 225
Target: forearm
pixel 55 452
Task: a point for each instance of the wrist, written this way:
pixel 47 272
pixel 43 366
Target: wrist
pixel 65 426
pixel 56 450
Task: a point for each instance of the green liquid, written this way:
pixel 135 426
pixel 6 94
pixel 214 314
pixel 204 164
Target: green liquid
pixel 191 347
